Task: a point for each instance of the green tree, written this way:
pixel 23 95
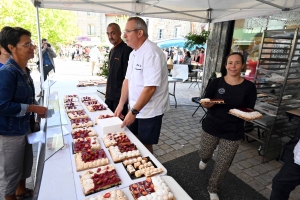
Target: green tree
pixel 194 39
pixel 58 26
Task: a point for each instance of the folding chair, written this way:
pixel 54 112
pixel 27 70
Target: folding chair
pixel 192 74
pixel 197 100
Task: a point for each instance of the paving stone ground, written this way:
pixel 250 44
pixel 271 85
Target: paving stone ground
pixel 180 135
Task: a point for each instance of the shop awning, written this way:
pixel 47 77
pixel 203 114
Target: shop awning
pixel 188 10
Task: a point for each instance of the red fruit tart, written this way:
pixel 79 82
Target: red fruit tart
pixel 84 144
pixel 82 122
pixel 114 139
pixel 90 159
pixel 81 85
pixel 123 152
pixel 77 115
pixel 103 117
pixel 69 104
pixel 71 96
pixel 87 98
pixel 70 99
pixel 151 188
pixel 110 195
pixel 73 108
pixel 91 102
pixel 83 132
pixel 96 107
pixel 99 178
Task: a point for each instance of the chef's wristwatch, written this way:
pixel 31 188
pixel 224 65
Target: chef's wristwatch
pixel 134 111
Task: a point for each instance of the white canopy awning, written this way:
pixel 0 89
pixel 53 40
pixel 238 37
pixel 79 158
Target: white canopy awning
pixel 188 10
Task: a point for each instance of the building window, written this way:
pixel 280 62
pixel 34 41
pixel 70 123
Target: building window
pixel 91 29
pixel 177 31
pixel 160 34
pixel 147 22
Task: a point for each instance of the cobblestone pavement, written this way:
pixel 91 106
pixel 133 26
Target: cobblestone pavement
pixel 180 135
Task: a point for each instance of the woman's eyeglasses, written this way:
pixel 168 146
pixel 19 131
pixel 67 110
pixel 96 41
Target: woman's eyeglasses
pixel 28 44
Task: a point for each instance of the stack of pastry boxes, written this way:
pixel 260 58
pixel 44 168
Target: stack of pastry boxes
pixel 99 174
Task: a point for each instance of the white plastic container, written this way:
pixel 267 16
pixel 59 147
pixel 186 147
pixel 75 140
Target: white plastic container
pixel 111 125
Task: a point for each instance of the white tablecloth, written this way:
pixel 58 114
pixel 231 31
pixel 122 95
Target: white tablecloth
pixel 180 71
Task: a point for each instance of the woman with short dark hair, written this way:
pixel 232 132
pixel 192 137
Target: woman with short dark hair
pixel 219 127
pixel 3 56
pixel 17 108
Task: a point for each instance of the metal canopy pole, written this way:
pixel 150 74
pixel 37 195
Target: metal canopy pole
pixel 203 75
pixel 37 4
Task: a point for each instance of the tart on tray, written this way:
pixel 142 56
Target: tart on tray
pixel 245 114
pixel 215 101
pixel 139 166
pixel 114 139
pixel 82 122
pixel 77 115
pixel 87 98
pixel 110 195
pixel 73 108
pixel 73 103
pixel 84 144
pixel 151 189
pixel 98 179
pixel 83 132
pixel 96 107
pixel 91 102
pixel 90 159
pixel 70 99
pixel 103 117
pixel 123 152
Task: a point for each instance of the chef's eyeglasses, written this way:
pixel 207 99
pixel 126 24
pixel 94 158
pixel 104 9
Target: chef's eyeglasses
pixel 129 31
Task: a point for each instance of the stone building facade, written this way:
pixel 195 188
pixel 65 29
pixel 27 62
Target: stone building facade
pixel 94 25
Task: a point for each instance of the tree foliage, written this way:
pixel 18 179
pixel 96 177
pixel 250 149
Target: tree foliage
pixel 104 71
pixel 58 26
pixel 196 39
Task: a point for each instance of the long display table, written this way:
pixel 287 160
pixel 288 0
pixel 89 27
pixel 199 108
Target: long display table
pixel 60 179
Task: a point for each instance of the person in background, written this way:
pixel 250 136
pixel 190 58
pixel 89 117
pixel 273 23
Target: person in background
pixel 48 56
pixel 118 62
pixel 175 56
pixel 197 56
pixel 221 128
pixel 288 178
pixel 17 108
pixel 145 85
pixel 201 57
pixel 4 56
pixel 48 62
pixel 94 57
pixel 166 53
pixel 187 58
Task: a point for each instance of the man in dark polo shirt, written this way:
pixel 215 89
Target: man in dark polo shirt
pixel 118 62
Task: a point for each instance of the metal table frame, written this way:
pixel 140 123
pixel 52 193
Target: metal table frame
pixel 174 80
